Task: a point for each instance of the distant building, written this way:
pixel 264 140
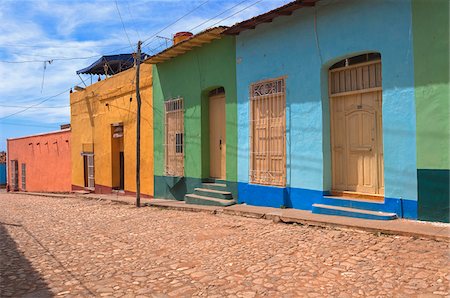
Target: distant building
pixel 40 163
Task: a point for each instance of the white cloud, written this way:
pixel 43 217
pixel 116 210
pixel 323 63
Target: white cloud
pixel 48 29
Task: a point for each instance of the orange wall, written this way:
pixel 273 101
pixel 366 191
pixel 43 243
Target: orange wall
pixel 47 159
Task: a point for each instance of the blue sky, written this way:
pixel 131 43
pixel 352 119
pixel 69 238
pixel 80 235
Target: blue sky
pixel 40 30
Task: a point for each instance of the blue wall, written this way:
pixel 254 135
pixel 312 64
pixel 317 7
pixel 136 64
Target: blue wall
pixel 2 173
pixel 289 46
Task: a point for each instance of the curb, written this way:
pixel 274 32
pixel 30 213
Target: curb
pixel 275 216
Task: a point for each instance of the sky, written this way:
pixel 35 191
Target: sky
pixel 34 94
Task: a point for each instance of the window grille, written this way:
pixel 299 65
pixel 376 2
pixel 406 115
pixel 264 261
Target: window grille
pixel 14 175
pixel 90 170
pixel 268 132
pixel 24 173
pixel 354 78
pixel 174 138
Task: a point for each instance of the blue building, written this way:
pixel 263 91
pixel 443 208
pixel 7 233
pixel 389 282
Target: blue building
pixel 326 108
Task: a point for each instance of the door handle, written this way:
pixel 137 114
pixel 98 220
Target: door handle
pixel 220 144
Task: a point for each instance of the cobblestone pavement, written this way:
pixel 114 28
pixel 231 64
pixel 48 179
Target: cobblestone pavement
pixel 76 247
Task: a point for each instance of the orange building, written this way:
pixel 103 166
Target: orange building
pixel 40 163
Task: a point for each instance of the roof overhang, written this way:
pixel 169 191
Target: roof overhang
pixel 268 17
pixel 184 46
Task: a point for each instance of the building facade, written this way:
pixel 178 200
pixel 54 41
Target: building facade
pixel 327 107
pixel 40 163
pixel 432 95
pixel 195 118
pixel 103 119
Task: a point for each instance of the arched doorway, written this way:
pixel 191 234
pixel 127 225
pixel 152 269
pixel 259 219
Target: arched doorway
pixel 355 90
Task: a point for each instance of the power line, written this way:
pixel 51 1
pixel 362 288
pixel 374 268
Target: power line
pixel 34 105
pixel 253 4
pixel 185 15
pixel 123 25
pixel 192 29
pixel 132 18
pixel 25 124
pixel 22 107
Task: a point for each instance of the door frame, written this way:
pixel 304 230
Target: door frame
pixel 378 126
pixel 218 93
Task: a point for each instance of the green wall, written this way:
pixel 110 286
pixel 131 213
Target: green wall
pixel 191 76
pixel 431 76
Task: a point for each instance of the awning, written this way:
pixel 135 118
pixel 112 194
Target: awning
pixel 115 64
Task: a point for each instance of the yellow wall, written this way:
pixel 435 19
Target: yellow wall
pixel 91 121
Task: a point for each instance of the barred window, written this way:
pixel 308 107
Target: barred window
pixel 268 133
pixel 14 175
pixel 24 176
pixel 174 138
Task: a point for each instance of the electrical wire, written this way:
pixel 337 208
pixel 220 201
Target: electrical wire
pixel 24 107
pixel 201 24
pixel 123 25
pixel 25 124
pixel 36 104
pixel 176 21
pixel 253 4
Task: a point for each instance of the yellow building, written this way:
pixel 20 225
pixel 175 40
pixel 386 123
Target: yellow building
pixel 103 119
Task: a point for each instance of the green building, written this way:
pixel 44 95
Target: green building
pixel 195 118
pixel 430 21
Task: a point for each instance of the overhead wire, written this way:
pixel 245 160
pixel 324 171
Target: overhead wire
pixel 201 24
pixel 123 25
pixel 173 23
pixel 36 104
pixel 145 41
pixel 133 19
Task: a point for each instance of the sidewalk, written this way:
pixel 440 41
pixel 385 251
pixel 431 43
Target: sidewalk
pixel 394 227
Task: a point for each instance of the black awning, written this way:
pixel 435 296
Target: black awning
pixel 115 64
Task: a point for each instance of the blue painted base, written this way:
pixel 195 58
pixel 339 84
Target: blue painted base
pixel 298 198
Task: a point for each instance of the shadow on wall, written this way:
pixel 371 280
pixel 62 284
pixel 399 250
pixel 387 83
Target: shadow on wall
pixel 18 278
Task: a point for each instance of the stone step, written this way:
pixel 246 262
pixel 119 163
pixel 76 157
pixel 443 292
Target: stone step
pixel 202 200
pixel 219 194
pixel 352 212
pixel 352 203
pixel 214 186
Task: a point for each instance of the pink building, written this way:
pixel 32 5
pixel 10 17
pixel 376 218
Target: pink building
pixel 40 163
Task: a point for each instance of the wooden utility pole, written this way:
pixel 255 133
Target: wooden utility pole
pixel 138 128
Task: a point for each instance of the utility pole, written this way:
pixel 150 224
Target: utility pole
pixel 138 128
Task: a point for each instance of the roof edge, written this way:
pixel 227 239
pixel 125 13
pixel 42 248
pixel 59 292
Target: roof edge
pixel 40 134
pixel 268 17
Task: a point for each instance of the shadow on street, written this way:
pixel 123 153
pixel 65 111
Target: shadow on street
pixel 18 278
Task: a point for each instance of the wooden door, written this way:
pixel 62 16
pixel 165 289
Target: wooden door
pixel 357 150
pixel 217 136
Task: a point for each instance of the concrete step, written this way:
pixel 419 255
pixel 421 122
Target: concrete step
pixel 352 212
pixel 219 194
pixel 214 186
pixel 352 203
pixel 203 200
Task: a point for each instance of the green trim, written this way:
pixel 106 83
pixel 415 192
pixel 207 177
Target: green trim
pixel 434 194
pixel 431 80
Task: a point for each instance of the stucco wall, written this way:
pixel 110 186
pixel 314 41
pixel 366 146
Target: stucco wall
pixel 47 159
pixel 191 76
pixel 92 113
pixel 302 47
pixel 431 75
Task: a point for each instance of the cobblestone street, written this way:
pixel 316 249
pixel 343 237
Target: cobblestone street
pixel 76 247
